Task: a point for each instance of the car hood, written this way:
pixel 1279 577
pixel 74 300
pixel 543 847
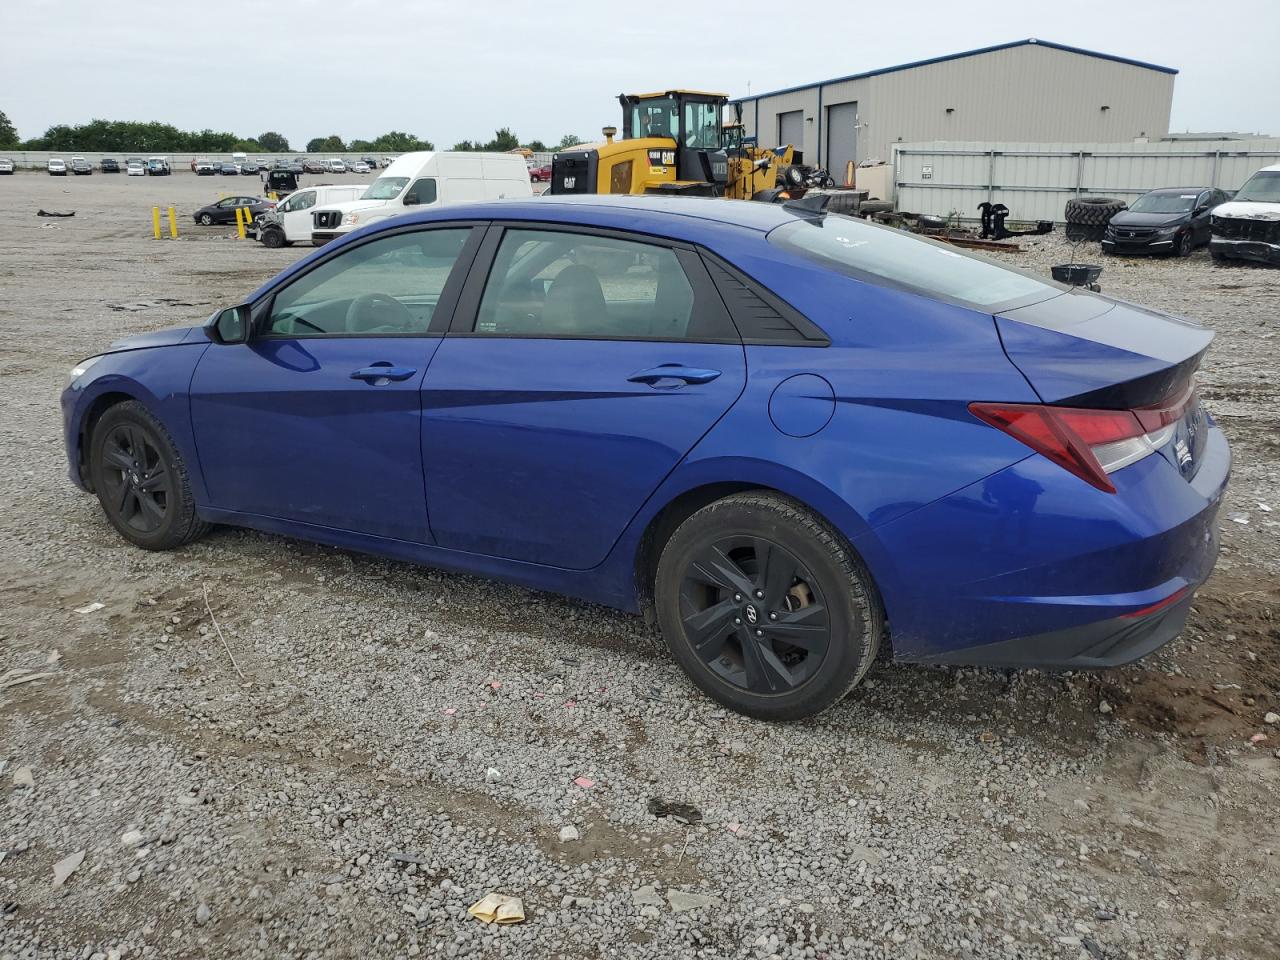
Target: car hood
pixel 156 338
pixel 1128 218
pixel 1248 210
pixel 1080 348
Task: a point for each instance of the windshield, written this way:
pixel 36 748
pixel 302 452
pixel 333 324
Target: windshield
pixel 1165 202
pixel 654 118
pixel 1263 186
pixel 883 255
pixel 385 188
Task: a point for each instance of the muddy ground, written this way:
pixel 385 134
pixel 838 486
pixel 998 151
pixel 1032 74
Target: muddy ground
pixel 403 741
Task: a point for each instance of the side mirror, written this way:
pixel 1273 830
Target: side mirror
pixel 230 326
pixel 411 199
pixel 1201 209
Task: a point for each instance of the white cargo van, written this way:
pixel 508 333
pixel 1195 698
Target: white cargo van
pixel 290 222
pixel 426 178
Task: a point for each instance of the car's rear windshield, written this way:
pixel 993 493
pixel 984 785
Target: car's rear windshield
pixel 385 188
pixel 1263 187
pixel 876 254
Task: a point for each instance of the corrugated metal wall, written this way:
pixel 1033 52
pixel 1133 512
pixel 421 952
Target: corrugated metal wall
pixel 1027 92
pixel 1035 180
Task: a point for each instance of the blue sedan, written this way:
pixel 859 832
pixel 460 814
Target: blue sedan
pixel 791 438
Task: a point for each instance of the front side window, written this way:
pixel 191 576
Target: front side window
pixel 550 284
pixel 877 254
pixel 702 126
pixel 387 287
pixel 655 118
pixel 421 193
pixel 303 200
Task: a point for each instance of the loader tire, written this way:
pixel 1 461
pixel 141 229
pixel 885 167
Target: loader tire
pixel 1093 211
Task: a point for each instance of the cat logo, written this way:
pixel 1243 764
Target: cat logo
pixel 569 182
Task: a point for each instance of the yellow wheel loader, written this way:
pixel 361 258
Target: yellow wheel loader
pixel 676 143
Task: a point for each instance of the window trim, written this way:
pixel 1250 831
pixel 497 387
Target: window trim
pixel 812 335
pixel 260 309
pixel 705 294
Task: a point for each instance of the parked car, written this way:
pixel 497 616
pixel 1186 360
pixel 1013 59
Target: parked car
pixel 290 221
pixel 425 178
pixel 360 167
pixel 228 169
pixel 107 165
pixel 56 167
pixel 297 169
pixel 224 210
pixel 158 167
pixel 81 167
pixel 135 168
pixel 1009 471
pixel 1172 220
pixel 204 167
pixel 372 162
pixel 335 165
pixel 6 166
pixel 249 169
pixel 1248 226
pixel 282 182
pixel 541 173
pixel 313 166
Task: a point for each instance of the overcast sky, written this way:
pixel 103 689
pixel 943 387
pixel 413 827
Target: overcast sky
pixel 448 71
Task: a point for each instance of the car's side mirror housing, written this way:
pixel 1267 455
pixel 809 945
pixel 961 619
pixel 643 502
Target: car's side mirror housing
pixel 232 325
pixel 1201 209
pixel 411 199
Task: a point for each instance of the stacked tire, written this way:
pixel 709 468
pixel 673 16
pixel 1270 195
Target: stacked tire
pixel 1087 217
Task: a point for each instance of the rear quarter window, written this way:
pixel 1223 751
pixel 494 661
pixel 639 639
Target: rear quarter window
pixel 893 258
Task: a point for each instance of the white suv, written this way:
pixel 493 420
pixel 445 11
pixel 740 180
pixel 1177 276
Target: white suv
pixel 1247 227
pixel 57 167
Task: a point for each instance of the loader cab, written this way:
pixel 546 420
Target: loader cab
pixel 691 120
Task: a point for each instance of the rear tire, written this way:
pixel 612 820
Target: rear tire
pixel 766 607
pixel 141 480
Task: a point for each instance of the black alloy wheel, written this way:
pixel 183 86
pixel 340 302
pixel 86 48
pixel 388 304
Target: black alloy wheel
pixel 754 614
pixel 141 480
pixel 206 219
pixel 766 607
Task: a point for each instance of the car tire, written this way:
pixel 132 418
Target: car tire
pixel 206 219
pixel 273 238
pixel 764 557
pixel 1182 245
pixel 141 481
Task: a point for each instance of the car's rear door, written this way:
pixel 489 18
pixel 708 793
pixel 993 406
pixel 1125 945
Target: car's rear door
pixel 316 418
pixel 581 367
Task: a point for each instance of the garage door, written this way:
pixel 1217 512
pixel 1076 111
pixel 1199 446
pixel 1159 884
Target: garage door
pixel 791 129
pixel 842 138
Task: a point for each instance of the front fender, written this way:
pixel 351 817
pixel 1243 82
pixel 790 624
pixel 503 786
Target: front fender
pixel 158 379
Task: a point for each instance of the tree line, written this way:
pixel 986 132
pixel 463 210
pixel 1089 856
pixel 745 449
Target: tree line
pixel 123 135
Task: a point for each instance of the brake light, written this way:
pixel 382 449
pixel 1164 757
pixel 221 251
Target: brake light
pixel 1089 443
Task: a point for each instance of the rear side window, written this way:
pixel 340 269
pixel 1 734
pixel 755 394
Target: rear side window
pixel 893 258
pixel 545 283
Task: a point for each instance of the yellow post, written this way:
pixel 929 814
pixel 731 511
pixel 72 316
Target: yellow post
pixel 155 220
pixel 240 222
pixel 173 224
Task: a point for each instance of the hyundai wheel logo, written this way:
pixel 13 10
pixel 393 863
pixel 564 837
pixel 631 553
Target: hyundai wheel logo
pixel 753 617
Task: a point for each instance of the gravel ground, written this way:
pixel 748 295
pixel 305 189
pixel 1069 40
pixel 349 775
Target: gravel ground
pixel 404 741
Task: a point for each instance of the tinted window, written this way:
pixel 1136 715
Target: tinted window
pixel 883 255
pixel 545 283
pixel 1263 186
pixel 422 192
pixel 385 287
pixel 1179 202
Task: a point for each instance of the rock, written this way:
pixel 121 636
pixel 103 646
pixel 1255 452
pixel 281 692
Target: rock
pixel 203 914
pixel 569 834
pixel 66 867
pixel 681 901
pixel 651 912
pixel 646 896
pixel 131 838
pixel 1272 718
pixel 492 775
pixel 1104 707
pixel 22 777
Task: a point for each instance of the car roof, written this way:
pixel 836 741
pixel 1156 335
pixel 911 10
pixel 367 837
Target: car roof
pixel 1179 189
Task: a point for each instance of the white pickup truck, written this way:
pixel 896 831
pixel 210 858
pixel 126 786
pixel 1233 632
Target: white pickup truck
pixel 425 178
pixel 290 222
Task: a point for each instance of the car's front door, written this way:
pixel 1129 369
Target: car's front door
pixel 316 418
pixel 295 215
pixel 580 369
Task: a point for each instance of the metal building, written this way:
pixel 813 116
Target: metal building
pixel 1029 91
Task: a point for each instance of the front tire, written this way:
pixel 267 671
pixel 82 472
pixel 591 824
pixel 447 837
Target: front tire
pixel 141 480
pixel 273 238
pixel 206 220
pixel 766 607
pixel 1182 245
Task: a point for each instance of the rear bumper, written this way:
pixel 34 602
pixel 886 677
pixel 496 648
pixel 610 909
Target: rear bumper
pixel 1256 250
pixel 1032 567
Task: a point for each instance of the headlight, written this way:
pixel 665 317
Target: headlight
pixel 351 219
pixel 80 369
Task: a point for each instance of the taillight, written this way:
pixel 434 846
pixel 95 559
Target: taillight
pixel 1089 443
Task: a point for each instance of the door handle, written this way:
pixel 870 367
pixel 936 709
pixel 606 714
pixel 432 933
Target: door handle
pixel 381 372
pixel 673 371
